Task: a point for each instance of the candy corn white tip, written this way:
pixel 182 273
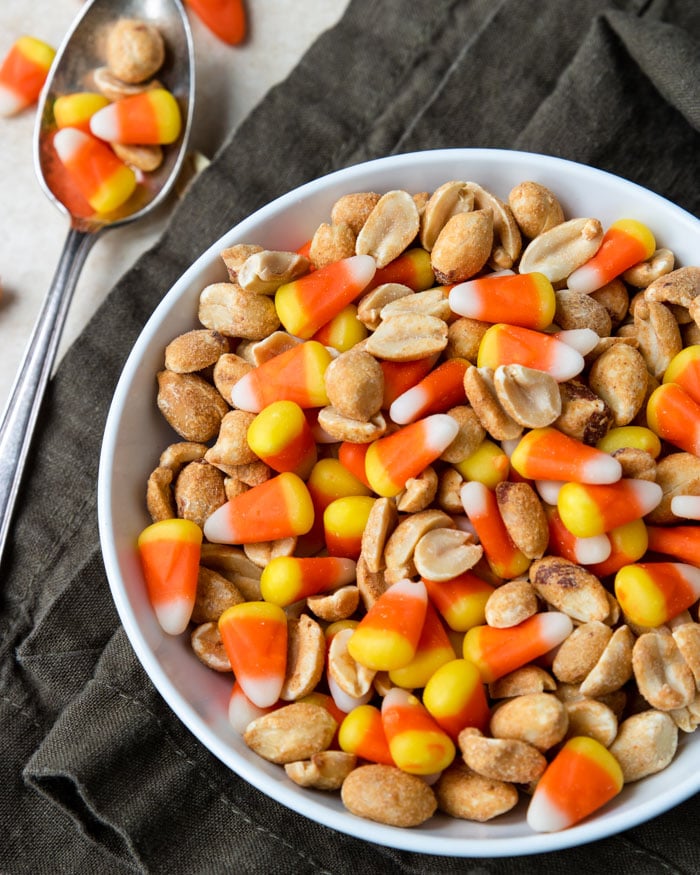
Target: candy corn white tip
pixel 544 816
pixel 362 268
pixel 686 506
pixel 602 469
pixel 548 490
pixel 242 712
pixel 466 301
pixel 585 279
pixel 244 396
pixel 217 527
pixel 648 494
pixel 474 497
pixel 104 123
pixel 554 627
pixel 263 692
pixel 10 103
pixel 583 340
pixel 441 430
pixel 407 407
pixel 67 141
pixel 174 615
pixel 567 363
pixel 590 551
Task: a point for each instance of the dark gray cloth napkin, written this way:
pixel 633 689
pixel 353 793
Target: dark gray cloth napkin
pixel 96 773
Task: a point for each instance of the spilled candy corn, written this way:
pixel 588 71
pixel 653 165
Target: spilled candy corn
pixel 22 74
pixel 226 19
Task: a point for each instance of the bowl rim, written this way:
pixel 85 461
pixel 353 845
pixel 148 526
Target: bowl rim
pixel 307 804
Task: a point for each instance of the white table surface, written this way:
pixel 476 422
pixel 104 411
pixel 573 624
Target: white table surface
pixel 32 230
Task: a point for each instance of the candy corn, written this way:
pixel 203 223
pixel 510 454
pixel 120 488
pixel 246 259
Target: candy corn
pixel 343 331
pixel 295 375
pixel 480 505
pixel 23 73
pixel 104 180
pixel 344 521
pixel 455 697
pixel 628 543
pixel 169 551
pixel 437 392
pixel 282 438
pixel 652 593
pixel 352 456
pixel 387 636
pixel 636 436
pixel 148 118
pixel 581 778
pixel 684 369
pixel 584 551
pixel 401 376
pixel 625 243
pixel 392 460
pixel 587 509
pixel 76 110
pixel 675 417
pixel 686 506
pixel 241 711
pixel 226 19
pixel 496 652
pixel 433 650
pixel 306 304
pixel 417 743
pixel 461 601
pixel 281 507
pixel 549 454
pixel 287 579
pixel 488 464
pixel 329 479
pixel 362 733
pixel 255 638
pixel 518 299
pixel 504 344
pixel 412 268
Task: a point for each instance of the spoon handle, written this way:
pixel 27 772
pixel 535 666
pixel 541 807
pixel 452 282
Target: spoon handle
pixel 22 410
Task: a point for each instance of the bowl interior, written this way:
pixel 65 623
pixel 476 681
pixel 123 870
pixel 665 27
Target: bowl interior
pixel 136 433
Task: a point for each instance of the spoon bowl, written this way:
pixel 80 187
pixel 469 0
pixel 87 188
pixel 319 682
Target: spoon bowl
pixel 80 54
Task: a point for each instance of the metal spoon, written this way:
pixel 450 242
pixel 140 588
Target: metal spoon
pixel 77 58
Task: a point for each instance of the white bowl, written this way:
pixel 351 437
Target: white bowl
pixel 136 433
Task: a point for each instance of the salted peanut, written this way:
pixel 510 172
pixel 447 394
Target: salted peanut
pixel 386 794
pixel 195 350
pixel 390 228
pixel 507 241
pixel 209 647
pixel 354 209
pixel 199 491
pixel 228 370
pixel 324 771
pixel 521 682
pixel 355 384
pixel 480 389
pixel 146 158
pixel 442 554
pixel 687 719
pixel 260 351
pixel 235 312
pixel 462 247
pixel 579 310
pixel 370 306
pixel 464 337
pixel 249 587
pixel 371 584
pixel 614 665
pixel 215 593
pixel 540 719
pixel 658 335
pixel 584 415
pixel 691 332
pixel 401 544
pixel 463 794
pixel 306 652
pixel 687 638
pixel 253 473
pixel 407 337
pixel 115 88
pixel 190 405
pixel 470 435
pixel 134 50
pixel 159 494
pixel 510 604
pixel 448 494
pixel 593 719
pixel 381 522
pixel 645 744
pixel 447 200
pixel 662 675
pixel 558 252
pixel 524 517
pixel 528 396
pixel 231 448
pixel 676 474
pixel 646 272
pixel 176 456
pixel 293 732
pixel 263 552
pixel 615 298
pixel 680 287
pixel 345 428
pixel 615 612
pixel 636 464
pixel 579 653
pixel 331 243
pixel 228 560
pixel 352 677
pixel 434 302
pixel 264 272
pixel 619 377
pixel 234 257
pixel 421 198
pixel 337 605
pixel 394 573
pixel 501 759
pixel 419 492
pixel 570 588
pixel 535 208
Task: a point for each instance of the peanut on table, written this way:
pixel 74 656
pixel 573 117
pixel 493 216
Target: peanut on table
pixel 439 474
